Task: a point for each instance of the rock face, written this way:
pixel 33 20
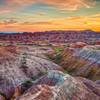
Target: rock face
pixel 17 65
pixel 26 74
pixel 91 54
pixel 65 88
pixel 82 61
pixel 2 97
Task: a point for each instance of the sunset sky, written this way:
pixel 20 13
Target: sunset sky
pixel 45 15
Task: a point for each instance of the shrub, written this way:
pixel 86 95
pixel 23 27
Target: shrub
pixel 26 85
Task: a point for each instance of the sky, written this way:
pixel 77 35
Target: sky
pixel 45 15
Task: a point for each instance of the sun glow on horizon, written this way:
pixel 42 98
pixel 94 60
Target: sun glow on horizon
pixel 46 15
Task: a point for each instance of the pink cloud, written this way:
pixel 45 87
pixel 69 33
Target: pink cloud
pixel 2 11
pixel 70 4
pixel 20 2
pixel 10 5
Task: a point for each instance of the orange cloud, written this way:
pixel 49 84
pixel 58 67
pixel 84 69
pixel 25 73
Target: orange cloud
pixel 71 23
pixel 61 4
pixel 11 5
pixel 20 2
pixel 70 4
pixel 39 23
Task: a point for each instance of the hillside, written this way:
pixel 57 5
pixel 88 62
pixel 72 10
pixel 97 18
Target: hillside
pixel 27 74
pixel 87 36
pixel 84 61
pixel 19 65
pixel 64 88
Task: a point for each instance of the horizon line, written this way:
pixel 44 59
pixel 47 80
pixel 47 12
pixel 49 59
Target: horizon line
pixel 45 31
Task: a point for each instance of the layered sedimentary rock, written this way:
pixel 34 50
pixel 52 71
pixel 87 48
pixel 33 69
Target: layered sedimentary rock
pixel 52 36
pixel 17 65
pixel 26 74
pixel 83 61
pixel 65 88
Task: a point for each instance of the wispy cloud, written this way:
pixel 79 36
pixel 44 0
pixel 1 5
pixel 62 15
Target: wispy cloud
pixel 5 10
pixel 40 23
pixel 75 22
pixel 72 5
pixel 20 2
pixel 8 22
pixel 11 5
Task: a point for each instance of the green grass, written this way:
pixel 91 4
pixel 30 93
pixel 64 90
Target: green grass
pixel 57 49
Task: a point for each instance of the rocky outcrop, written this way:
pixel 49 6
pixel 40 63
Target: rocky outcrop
pixel 20 64
pixel 65 88
pixel 83 61
pixel 95 88
pixel 2 97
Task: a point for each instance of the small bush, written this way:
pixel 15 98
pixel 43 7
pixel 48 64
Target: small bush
pixel 57 59
pixel 57 50
pixel 26 85
pixel 2 94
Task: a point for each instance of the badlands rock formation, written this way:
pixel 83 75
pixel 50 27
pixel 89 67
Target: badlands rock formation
pixel 81 61
pixel 65 88
pixel 20 64
pixel 26 74
pixel 52 36
pixel 91 54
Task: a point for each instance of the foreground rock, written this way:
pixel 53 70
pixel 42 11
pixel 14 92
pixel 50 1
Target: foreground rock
pixel 2 97
pixel 20 64
pixel 30 76
pixel 64 88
